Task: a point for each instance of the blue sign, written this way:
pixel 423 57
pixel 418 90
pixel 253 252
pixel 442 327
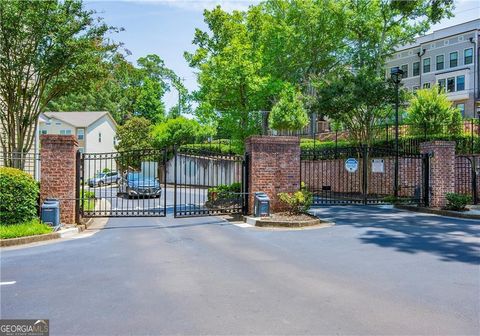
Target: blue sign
pixel 351 165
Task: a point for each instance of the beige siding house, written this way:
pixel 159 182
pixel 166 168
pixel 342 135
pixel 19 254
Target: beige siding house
pixel 95 131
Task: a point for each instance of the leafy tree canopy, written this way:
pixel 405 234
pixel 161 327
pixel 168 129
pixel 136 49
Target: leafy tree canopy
pixel 179 131
pixel 134 134
pixel 47 49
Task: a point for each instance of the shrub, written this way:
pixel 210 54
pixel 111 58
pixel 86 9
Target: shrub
pixel 18 196
pixel 431 112
pixel 288 113
pixel 224 195
pixel 456 201
pixel 298 202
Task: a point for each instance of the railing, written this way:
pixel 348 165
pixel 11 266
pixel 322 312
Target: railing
pixel 28 162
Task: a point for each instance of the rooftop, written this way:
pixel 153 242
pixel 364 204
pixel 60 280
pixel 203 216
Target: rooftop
pixel 77 119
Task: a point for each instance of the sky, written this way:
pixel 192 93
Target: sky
pixel 166 28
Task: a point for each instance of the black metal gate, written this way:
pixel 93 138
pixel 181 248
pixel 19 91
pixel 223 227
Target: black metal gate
pixel 208 183
pixel 127 184
pixel 466 179
pixel 362 175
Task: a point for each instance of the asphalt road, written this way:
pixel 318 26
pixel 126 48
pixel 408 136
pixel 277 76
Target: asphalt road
pixel 187 197
pixel 376 272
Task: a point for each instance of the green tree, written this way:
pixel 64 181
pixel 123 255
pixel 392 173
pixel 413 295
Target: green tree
pixel 357 92
pixel 134 134
pixel 358 101
pixel 179 131
pixel 430 112
pixel 231 87
pixel 127 90
pixel 47 49
pixel 288 113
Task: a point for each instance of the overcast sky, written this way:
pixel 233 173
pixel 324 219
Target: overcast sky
pixel 166 28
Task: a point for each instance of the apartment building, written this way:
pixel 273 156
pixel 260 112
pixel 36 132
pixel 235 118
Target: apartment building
pixel 447 57
pixel 95 131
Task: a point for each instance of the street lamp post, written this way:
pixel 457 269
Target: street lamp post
pixel 396 75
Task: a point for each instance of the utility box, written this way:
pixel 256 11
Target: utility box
pixel 50 212
pixel 261 205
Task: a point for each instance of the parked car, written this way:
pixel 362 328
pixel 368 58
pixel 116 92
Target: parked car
pixel 104 178
pixel 136 184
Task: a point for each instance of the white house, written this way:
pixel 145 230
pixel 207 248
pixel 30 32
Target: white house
pixel 95 131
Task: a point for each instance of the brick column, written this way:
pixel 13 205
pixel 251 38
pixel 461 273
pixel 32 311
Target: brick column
pixel 274 166
pixel 57 169
pixel 442 170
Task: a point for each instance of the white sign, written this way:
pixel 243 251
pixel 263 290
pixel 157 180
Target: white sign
pixel 378 166
pixel 351 165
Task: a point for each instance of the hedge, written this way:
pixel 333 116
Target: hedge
pixel 18 196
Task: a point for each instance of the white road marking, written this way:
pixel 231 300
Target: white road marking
pixel 7 283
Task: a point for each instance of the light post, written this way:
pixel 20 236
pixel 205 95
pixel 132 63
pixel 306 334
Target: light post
pixel 396 75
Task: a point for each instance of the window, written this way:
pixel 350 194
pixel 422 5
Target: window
pixel 99 137
pixel 43 132
pixel 80 134
pixel 65 132
pixel 416 68
pixel 426 85
pixel 58 123
pixel 415 88
pixel 461 107
pixel 460 83
pixel 451 84
pixel 440 62
pixel 426 65
pixel 468 56
pixel 441 84
pixel 81 149
pixel 48 123
pixel 453 59
pixel 405 70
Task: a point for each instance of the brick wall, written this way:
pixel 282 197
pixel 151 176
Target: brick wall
pixel 319 173
pixel 274 166
pixel 442 170
pixel 58 156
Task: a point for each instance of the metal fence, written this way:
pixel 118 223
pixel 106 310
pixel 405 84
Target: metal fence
pixel 28 162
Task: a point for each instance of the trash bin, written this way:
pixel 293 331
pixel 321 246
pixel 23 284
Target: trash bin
pixel 50 213
pixel 261 205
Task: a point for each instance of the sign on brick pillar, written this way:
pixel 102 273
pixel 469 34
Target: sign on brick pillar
pixel 274 166
pixel 58 157
pixel 442 170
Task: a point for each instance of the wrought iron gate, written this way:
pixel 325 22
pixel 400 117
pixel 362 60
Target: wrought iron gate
pixel 127 184
pixel 361 175
pixel 466 180
pixel 208 183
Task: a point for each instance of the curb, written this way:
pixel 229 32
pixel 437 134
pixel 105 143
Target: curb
pixel 265 223
pixel 29 239
pixel 445 213
pixel 65 233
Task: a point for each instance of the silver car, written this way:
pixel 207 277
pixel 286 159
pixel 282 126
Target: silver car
pixel 103 179
pixel 138 185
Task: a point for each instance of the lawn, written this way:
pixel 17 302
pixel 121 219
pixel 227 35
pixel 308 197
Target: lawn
pixel 31 228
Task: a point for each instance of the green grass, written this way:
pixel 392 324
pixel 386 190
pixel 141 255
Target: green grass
pixel 31 228
pixel 89 204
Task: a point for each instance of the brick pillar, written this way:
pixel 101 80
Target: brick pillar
pixel 57 169
pixel 442 170
pixel 274 166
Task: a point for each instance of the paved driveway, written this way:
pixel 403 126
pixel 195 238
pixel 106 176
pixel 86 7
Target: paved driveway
pixel 375 272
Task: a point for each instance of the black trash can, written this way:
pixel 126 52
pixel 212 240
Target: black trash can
pixel 261 205
pixel 50 212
